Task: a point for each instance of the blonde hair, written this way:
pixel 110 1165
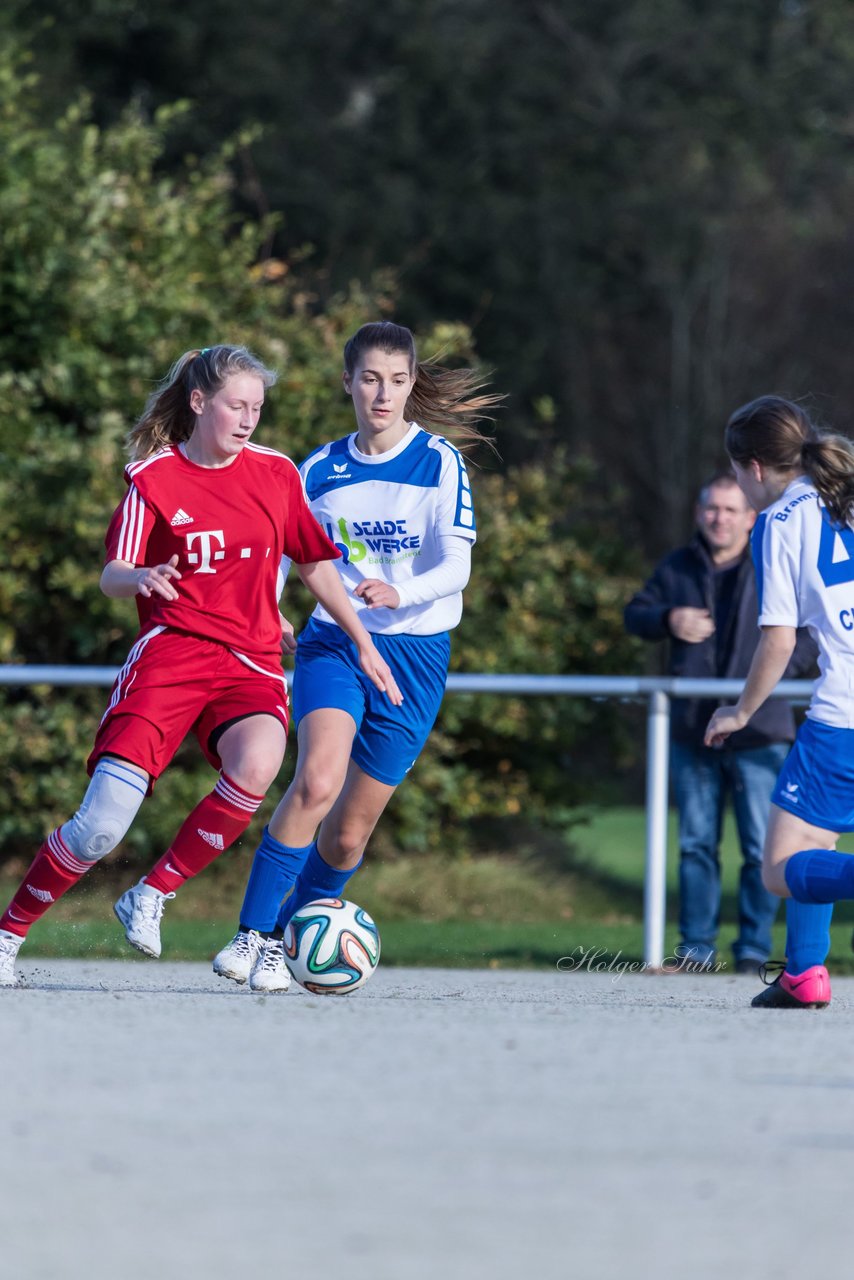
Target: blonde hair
pixel 441 398
pixel 780 435
pixel 167 417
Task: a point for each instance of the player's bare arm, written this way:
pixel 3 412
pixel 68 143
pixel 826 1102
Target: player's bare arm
pixel 770 660
pixel 324 582
pixel 289 640
pixel 120 579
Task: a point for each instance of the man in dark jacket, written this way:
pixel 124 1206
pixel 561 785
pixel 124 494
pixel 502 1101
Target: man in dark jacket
pixel 702 598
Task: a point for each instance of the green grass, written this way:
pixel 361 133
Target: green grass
pixel 451 944
pixel 444 944
pixel 499 911
pixel 612 847
pixel 610 853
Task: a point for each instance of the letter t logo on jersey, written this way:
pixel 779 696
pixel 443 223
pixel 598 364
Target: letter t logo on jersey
pixel 205 540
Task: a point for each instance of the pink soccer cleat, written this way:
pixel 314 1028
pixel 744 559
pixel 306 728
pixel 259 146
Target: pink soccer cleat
pixel 807 990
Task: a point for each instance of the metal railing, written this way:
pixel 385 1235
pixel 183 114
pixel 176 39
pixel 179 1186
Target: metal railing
pixel 658 692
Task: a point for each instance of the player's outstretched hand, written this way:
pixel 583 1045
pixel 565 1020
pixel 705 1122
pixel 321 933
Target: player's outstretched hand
pixel 725 721
pixel 378 671
pixel 289 640
pixel 377 594
pixel 156 580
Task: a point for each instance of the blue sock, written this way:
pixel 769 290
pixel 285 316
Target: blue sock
pixel 820 875
pixel 807 934
pixel 316 880
pixel 274 869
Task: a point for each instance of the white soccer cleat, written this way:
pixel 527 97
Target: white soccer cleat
pixel 235 961
pixel 269 972
pixel 140 910
pixel 10 945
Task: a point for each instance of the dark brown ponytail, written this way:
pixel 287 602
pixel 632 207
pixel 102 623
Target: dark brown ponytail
pixel 779 434
pixel 445 400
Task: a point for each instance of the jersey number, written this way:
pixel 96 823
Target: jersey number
pixel 833 572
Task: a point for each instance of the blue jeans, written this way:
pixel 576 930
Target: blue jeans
pixel 702 779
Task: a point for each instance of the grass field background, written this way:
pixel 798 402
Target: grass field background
pixel 508 909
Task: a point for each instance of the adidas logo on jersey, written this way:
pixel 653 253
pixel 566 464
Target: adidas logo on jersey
pixel 181 517
pixel 213 838
pixel 43 895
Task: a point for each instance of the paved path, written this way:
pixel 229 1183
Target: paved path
pixel 156 1122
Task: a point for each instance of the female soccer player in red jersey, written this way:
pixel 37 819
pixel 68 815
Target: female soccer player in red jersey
pixel 198 540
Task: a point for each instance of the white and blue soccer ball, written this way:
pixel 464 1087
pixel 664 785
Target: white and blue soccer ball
pixel 331 946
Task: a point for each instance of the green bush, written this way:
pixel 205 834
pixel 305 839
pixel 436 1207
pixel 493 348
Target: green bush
pixel 108 271
pixel 549 580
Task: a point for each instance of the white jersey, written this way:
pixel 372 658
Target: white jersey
pixel 387 513
pixel 805 577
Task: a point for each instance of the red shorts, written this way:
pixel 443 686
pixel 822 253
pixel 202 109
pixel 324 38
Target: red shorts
pixel 172 683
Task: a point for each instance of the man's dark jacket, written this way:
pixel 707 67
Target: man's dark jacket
pixel 686 577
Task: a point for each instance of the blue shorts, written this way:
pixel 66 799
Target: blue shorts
pixel 389 739
pixel 816 782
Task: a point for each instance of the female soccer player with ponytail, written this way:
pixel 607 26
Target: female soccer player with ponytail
pixel 802 481
pixel 198 540
pixel 396 499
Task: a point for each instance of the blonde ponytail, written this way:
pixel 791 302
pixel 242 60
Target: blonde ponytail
pixel 167 417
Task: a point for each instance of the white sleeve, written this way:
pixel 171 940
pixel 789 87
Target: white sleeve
pixel 777 562
pixel 448 577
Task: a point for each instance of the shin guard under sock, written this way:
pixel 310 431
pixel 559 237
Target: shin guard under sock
pixel 820 875
pixel 275 867
pixel 316 880
pixel 215 823
pixel 807 934
pixel 53 871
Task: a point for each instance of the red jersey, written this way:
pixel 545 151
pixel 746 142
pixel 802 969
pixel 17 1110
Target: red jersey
pixel 229 527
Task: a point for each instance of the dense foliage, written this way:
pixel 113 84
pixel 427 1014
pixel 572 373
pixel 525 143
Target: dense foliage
pixel 110 266
pixel 639 206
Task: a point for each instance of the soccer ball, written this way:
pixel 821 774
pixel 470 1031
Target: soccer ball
pixel 331 946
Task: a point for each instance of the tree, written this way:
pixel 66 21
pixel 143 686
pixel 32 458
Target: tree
pixel 111 266
pixel 638 206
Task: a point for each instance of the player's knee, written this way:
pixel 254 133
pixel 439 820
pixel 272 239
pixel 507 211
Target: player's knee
pixel 348 844
pixel 108 809
pixel 91 840
pixel 251 753
pixel 256 773
pixel 774 879
pixel 317 788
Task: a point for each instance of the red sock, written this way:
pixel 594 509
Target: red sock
pixel 53 870
pixel 215 823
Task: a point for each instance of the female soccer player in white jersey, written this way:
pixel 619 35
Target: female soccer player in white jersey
pixel 803 483
pixel 396 500
pixel 198 539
